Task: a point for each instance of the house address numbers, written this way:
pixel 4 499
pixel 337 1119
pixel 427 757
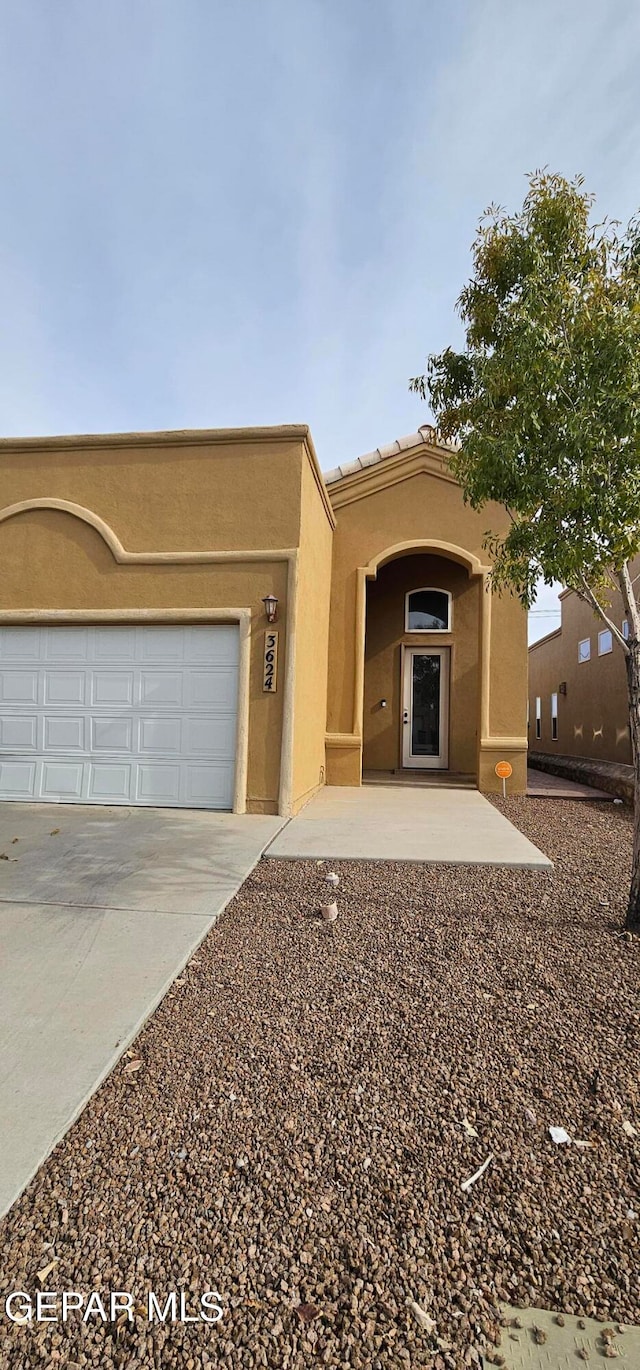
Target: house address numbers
pixel 270 674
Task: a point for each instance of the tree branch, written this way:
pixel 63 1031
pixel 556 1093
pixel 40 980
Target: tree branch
pixel 588 595
pixel 628 598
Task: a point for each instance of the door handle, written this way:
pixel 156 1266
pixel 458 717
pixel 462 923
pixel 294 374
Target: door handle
pixel 405 716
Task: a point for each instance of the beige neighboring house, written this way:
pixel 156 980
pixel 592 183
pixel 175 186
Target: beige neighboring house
pixel 204 619
pixel 578 686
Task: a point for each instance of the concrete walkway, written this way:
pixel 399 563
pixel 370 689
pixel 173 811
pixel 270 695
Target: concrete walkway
pixel 99 911
pixel 399 823
pixel 562 1344
pixel 543 785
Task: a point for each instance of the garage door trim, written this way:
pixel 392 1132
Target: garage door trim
pixel 241 617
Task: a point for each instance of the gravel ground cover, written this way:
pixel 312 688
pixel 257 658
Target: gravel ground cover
pixel 294 1136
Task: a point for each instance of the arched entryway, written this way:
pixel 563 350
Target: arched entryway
pixel 424 617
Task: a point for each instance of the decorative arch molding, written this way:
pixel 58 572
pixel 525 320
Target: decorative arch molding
pixel 125 558
pixel 435 546
pixel 78 511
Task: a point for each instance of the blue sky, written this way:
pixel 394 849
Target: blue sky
pixel 221 212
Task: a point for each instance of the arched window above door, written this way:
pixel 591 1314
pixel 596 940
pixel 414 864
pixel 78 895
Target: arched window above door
pixel 428 611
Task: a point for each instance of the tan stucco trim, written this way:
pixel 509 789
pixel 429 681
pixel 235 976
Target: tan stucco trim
pixel 242 617
pixel 447 549
pixel 125 558
pixel 547 638
pixel 496 744
pixel 319 479
pixel 485 655
pixel 361 623
pixel 285 797
pixel 172 437
pixel 392 471
pixel 342 740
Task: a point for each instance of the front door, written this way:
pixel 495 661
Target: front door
pixel 425 720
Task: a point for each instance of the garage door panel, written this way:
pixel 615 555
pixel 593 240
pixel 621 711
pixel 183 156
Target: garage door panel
pixel 162 644
pixel 67 644
pixel 112 687
pixel 221 651
pixel 212 690
pixel 158 784
pixel 63 733
pixel 207 736
pixel 20 644
pixel 161 688
pixel 161 735
pixel 112 734
pixel 204 780
pixel 65 687
pixel 114 644
pixel 119 715
pixel 19 687
pixel 61 780
pixel 109 782
pixel 19 732
pixel 18 779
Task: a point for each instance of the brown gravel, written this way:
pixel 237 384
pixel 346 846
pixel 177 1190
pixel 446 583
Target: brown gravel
pixel 294 1135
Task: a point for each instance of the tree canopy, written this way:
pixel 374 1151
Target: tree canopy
pixel 545 398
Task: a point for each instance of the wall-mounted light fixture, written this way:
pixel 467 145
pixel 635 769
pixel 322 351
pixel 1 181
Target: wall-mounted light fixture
pixel 271 608
pixel 383 703
pixel 562 688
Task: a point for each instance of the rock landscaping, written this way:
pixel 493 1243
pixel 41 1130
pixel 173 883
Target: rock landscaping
pixel 343 1127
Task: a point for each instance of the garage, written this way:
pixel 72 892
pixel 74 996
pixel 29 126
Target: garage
pixel 119 714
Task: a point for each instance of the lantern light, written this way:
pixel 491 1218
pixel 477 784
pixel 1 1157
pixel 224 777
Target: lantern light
pixel 271 608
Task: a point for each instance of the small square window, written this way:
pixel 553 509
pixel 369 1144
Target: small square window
pixel 625 629
pixel 554 717
pixel 605 642
pixel 584 649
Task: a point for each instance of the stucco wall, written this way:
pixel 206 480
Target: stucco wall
pixel 593 714
pixel 162 492
pixel 312 636
pixel 385 639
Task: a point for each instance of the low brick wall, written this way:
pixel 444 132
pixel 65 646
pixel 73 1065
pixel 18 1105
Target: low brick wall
pixel 603 775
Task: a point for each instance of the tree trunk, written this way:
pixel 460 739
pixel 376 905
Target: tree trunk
pixel 632 661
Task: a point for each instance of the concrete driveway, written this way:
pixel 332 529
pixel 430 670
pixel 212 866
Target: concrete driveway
pixel 99 910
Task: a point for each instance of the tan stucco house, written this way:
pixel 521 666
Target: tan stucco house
pixel 578 703
pixel 143 659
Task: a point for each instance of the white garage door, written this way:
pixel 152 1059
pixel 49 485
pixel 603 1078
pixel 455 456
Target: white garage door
pixel 119 715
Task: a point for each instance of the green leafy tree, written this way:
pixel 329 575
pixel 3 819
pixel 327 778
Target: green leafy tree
pixel 544 402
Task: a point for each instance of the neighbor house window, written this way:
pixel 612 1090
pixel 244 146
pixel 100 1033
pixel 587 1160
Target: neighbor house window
pixel 538 715
pixel 605 642
pixel 554 717
pixel 625 629
pixel 584 649
pixel 428 611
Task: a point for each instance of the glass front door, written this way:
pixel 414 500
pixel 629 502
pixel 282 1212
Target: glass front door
pixel 425 724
